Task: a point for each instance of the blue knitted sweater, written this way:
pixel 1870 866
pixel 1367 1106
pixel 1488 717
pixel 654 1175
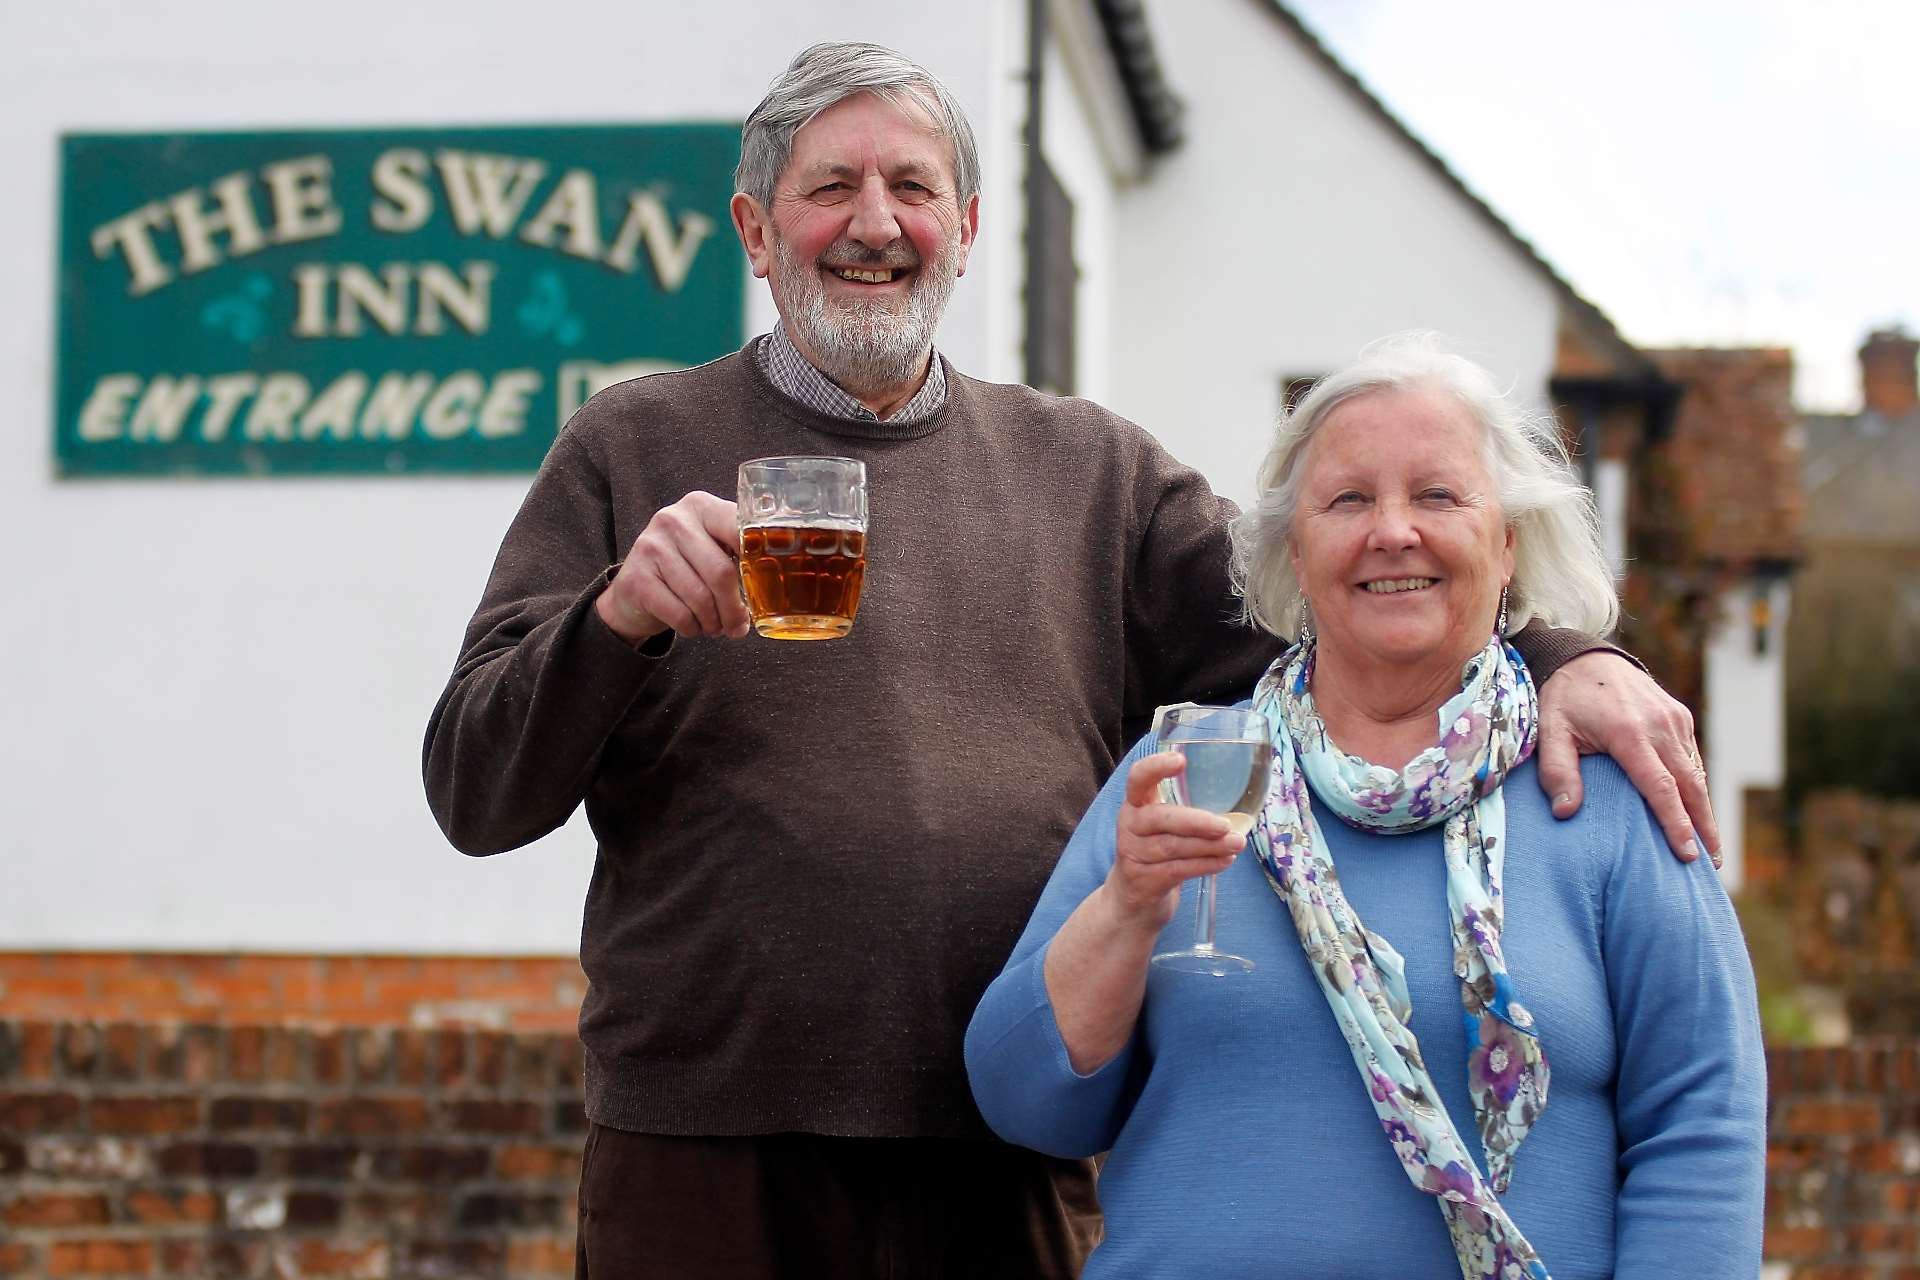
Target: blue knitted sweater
pixel 1242 1140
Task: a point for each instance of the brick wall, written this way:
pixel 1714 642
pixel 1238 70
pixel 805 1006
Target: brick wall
pixel 516 993
pixel 276 1151
pixel 1856 905
pixel 1843 1161
pixel 281 1152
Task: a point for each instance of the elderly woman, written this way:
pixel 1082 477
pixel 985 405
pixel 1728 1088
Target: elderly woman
pixel 1334 1113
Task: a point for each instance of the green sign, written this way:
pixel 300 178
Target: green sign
pixel 399 300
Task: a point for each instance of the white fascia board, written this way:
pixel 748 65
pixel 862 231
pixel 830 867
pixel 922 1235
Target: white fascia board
pixel 1082 43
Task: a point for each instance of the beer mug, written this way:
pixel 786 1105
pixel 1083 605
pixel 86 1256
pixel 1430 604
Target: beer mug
pixel 803 545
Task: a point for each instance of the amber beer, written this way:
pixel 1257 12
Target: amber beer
pixel 802 580
pixel 803 545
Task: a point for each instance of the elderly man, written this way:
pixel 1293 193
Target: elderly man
pixel 814 857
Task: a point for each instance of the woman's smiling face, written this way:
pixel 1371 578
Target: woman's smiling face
pixel 1398 538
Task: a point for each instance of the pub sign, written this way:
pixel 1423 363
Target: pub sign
pixel 403 300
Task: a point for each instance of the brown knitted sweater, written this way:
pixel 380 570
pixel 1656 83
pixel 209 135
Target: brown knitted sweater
pixel 814 857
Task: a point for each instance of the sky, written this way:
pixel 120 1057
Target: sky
pixel 1706 172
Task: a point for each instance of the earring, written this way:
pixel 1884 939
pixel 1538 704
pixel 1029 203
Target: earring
pixel 1500 623
pixel 1306 623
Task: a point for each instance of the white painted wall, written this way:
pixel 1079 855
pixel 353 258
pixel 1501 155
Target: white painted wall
pixel 1067 134
pixel 1746 732
pixel 1611 483
pixel 217 688
pixel 1291 229
pixel 214 691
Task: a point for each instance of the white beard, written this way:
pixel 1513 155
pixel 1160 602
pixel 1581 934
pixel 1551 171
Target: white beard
pixel 867 347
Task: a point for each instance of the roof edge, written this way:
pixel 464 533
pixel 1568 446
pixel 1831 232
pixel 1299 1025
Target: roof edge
pixel 1580 310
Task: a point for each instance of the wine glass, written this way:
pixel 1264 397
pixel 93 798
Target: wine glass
pixel 1229 752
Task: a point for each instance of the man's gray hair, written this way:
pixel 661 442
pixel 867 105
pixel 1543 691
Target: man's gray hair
pixel 826 74
pixel 1560 572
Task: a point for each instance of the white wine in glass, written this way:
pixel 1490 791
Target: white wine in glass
pixel 1229 754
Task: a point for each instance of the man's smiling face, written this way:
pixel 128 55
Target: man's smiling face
pixel 864 241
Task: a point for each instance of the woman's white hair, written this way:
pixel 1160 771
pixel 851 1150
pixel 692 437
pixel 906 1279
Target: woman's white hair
pixel 1560 573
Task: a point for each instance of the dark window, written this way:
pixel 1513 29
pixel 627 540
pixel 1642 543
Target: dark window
pixel 1294 388
pixel 1053 283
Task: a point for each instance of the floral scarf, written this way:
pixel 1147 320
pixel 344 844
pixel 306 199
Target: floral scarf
pixel 1486 729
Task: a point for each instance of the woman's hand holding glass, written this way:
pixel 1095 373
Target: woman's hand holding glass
pixel 1161 846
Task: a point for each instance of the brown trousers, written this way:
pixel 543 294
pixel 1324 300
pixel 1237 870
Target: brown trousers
pixel 798 1206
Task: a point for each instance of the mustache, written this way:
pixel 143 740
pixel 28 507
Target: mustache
pixel 852 253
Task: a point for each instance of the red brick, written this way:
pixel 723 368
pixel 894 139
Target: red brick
pixel 540 1257
pixel 17 1260
pixel 286 1055
pixel 538 1162
pixel 329 1057
pixel 416 1164
pixel 123 1053
pixel 99 1257
pixel 36 1051
pixel 209 1160
pixel 1876 1157
pixel 530 1064
pixel 1903 1196
pixel 569 1061
pixel 1786 1155
pixel 402 996
pixel 493 1210
pixel 231 1113
pixel 1842 1068
pixel 1837 1119
pixel 29 995
pixel 489 1059
pixel 1883 1237
pixel 397 1211
pixel 79 1049
pixel 481 1115
pixel 188 1054
pixel 184 1258
pixel 332 1162
pixel 450 1057
pixel 438 1257
pixel 1789 1243
pixel 343 1258
pixel 234 993
pixel 137 995
pixel 144 1115
pixel 367 1116
pixel 545 1021
pixel 372 1052
pixel 1879 1068
pixel 246 1053
pixel 312 1209
pixel 173 1206
pixel 216 1259
pixel 25 1113
pixel 410 1052
pixel 57 1211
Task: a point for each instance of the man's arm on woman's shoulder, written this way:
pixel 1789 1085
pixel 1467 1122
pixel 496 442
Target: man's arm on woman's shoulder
pixel 1595 697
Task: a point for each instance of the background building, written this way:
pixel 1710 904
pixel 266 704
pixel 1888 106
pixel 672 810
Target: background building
pixel 255 1016
pixel 224 710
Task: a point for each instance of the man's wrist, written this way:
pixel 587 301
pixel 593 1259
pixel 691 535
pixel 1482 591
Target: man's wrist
pixel 632 624
pixel 1547 649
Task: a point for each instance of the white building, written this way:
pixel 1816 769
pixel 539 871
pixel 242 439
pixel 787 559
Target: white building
pixel 217 685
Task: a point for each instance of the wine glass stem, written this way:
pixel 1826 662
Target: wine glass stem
pixel 1204 899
